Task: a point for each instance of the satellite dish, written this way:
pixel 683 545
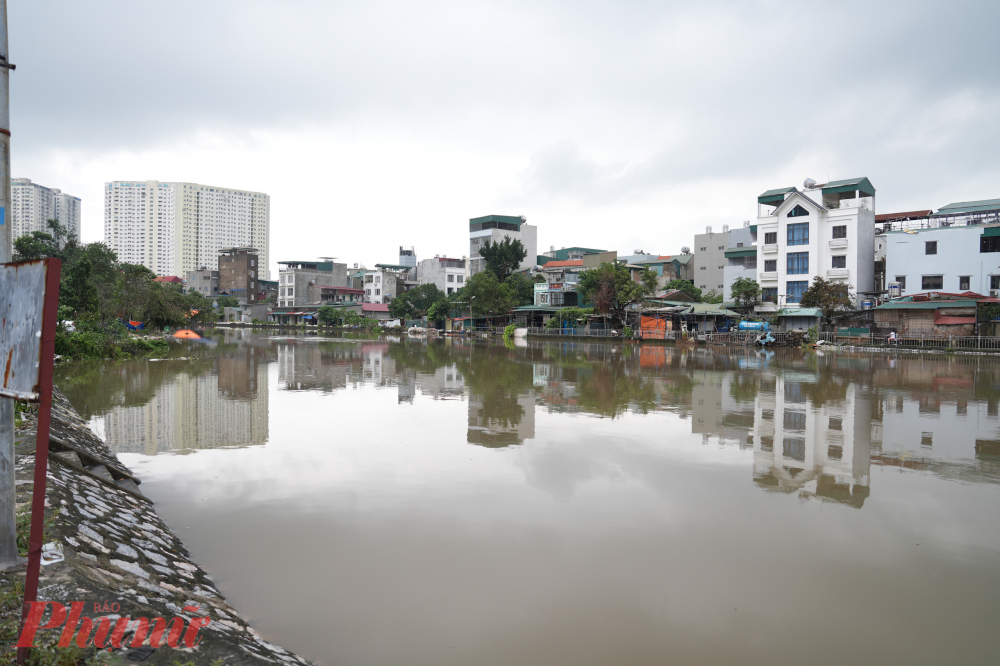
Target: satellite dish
pixel 809 183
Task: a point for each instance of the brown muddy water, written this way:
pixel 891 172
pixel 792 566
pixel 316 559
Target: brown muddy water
pixel 449 502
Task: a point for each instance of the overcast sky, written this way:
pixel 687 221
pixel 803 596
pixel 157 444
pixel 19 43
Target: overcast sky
pixel 617 125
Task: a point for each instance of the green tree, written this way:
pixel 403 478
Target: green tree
pixel 485 296
pixel 416 302
pixel 226 301
pixel 56 242
pixel 745 291
pixel 522 288
pixel 441 310
pixel 830 297
pixel 711 296
pixel 612 290
pixel 503 257
pixel 77 292
pixel 687 287
pixel 329 315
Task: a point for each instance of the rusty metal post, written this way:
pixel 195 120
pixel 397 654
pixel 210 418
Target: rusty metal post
pixel 46 361
pixel 8 530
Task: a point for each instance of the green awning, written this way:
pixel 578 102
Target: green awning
pixel 772 197
pixel 742 252
pixel 991 231
pixel 753 228
pixel 862 185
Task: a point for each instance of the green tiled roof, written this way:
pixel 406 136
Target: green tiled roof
pixel 968 207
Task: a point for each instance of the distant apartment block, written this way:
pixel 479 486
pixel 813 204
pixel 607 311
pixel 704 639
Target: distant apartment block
pixel 494 228
pixel 710 259
pixel 239 273
pixel 826 230
pixel 740 259
pixel 33 205
pixel 174 228
pixel 446 273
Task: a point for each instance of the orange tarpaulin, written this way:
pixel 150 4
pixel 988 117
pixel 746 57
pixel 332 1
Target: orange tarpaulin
pixel 653 328
pixel 186 334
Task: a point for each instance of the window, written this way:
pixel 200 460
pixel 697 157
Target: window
pixel 769 295
pixel 461 278
pixel 770 265
pixel 702 249
pixel 963 282
pixel 930 247
pixel 771 238
pixel 901 279
pixel 798 234
pixel 451 278
pixel 798 211
pixel 722 247
pixel 451 289
pixel 989 243
pixel 739 245
pixel 378 292
pixel 704 268
pixel 722 286
pixel 798 263
pixel 932 282
pixel 721 267
pixel 291 291
pixel 792 420
pixel 795 290
pixel 840 262
pixel 840 231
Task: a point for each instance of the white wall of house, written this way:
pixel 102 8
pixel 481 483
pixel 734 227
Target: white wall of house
pixel 956 260
pixel 857 248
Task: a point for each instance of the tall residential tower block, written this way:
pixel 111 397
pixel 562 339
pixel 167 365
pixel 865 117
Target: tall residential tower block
pixel 33 205
pixel 173 228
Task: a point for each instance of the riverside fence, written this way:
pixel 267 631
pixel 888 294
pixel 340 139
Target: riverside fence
pixel 916 341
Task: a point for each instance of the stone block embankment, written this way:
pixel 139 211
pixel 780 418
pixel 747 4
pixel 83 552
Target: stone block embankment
pixel 119 554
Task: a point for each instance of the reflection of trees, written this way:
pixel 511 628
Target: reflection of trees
pixel 423 357
pixel 496 380
pixel 95 387
pixel 743 387
pixel 609 391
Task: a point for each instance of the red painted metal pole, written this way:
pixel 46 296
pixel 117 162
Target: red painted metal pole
pixel 46 358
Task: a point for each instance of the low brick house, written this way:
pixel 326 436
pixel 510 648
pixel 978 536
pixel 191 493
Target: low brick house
pixel 932 313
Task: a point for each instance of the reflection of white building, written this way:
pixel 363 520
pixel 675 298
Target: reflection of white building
pixel 818 450
pixel 446 382
pixel 191 412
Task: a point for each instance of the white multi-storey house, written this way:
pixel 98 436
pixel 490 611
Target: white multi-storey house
pixel 33 205
pixel 173 228
pixel 494 228
pixel 825 230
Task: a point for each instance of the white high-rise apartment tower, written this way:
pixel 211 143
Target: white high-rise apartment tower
pixel 173 228
pixel 33 205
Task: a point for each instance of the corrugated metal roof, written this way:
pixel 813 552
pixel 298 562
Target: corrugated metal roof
pixel 778 195
pixel 850 185
pixel 507 219
pixel 564 264
pixel 969 207
pixel 910 215
pixel 925 305
pixel 941 318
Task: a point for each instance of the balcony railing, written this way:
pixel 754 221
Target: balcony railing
pixel 838 273
pixel 768 275
pixel 838 242
pixel 770 249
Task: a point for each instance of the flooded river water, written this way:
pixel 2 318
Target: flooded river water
pixel 408 502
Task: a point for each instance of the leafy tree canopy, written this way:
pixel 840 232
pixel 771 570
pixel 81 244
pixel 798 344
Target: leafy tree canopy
pixel 745 291
pixel 226 301
pixel 416 302
pixel 711 296
pixel 687 287
pixel 612 290
pixel 830 297
pixel 503 257
pixel 522 288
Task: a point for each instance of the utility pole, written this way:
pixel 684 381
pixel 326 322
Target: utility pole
pixel 8 498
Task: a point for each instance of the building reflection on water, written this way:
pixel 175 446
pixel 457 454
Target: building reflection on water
pixel 814 424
